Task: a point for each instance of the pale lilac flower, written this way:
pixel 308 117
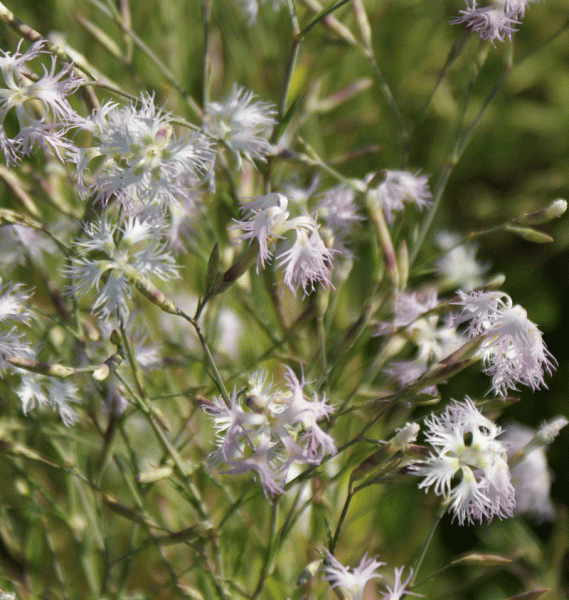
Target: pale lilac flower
pixel 43 112
pixel 315 442
pixel 13 309
pixel 351 582
pixel 400 188
pixel 515 7
pixel 407 307
pixel 56 393
pixel 479 309
pixel 243 124
pixel 107 250
pixel 468 467
pixel 531 477
pixel 300 195
pixel 492 22
pixel 457 265
pixel 264 220
pixel 251 8
pixel 338 209
pixel 266 429
pixel 435 337
pixel 13 302
pixel 398 590
pixel 143 160
pixel 307 261
pixel 512 350
pixel 264 461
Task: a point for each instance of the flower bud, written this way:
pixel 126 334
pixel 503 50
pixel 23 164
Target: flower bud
pixel 553 211
pixel 529 234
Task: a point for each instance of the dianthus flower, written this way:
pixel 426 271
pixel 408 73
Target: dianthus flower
pixel 399 188
pixel 351 582
pixel 48 391
pixel 108 251
pixel 267 428
pixel 531 476
pixel 338 209
pixel 242 124
pixel 457 265
pixel 307 260
pixel 398 590
pixel 468 467
pixel 251 8
pixel 434 337
pixel 490 22
pixel 13 308
pixel 43 112
pixel 143 160
pixel 512 350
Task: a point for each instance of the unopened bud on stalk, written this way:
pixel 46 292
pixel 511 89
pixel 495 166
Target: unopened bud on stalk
pixel 383 236
pixel 529 234
pixel 155 474
pixel 494 284
pixel 553 211
pixel 309 571
pixel 148 289
pixel 43 368
pixel 483 560
pixel 549 431
pixel 545 435
pixel 212 268
pixel 406 435
pixel 101 373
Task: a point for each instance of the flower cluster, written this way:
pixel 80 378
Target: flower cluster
pixel 143 160
pixel 495 21
pixel 512 349
pixel 242 124
pixel 306 261
pixel 468 467
pixel 115 254
pixel 266 429
pixel 434 337
pixel 40 104
pixel 399 188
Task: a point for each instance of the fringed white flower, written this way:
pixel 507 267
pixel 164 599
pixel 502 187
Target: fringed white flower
pixel 468 466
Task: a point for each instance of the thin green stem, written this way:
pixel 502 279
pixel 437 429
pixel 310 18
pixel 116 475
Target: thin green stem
pixel 206 11
pixel 269 551
pixel 343 514
pixel 388 97
pixel 322 15
pixel 211 361
pixel 417 565
pixel 454 52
